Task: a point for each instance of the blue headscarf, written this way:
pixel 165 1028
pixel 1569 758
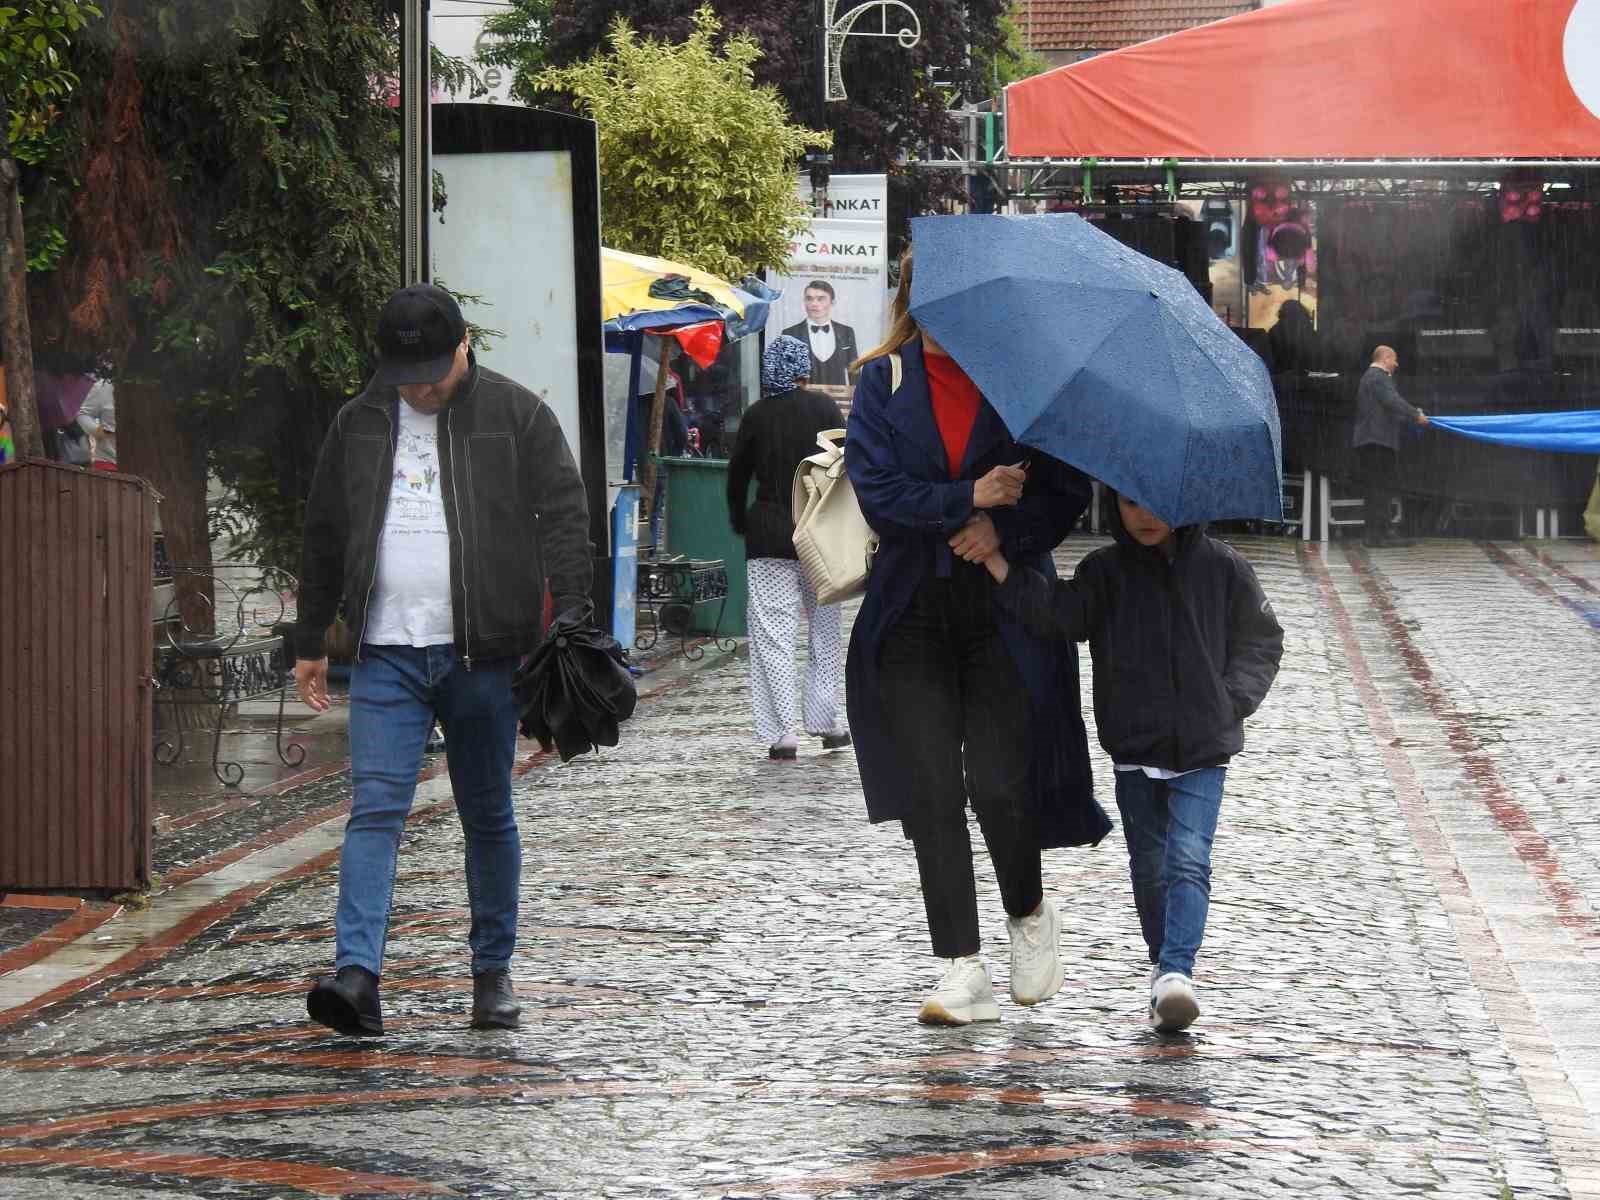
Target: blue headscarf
pixel 786 362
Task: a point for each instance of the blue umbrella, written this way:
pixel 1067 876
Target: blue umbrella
pixel 1105 359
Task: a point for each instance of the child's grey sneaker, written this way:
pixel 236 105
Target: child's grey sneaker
pixel 1173 1007
pixel 1036 953
pixel 963 996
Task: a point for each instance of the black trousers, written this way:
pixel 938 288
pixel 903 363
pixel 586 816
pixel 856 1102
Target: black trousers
pixel 959 715
pixel 1379 466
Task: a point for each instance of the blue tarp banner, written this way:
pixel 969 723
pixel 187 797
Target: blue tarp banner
pixel 1568 432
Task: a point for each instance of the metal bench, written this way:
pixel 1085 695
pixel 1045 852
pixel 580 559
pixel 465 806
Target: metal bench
pixel 220 643
pixel 669 589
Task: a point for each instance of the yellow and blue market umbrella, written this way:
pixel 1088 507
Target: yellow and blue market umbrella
pixel 639 293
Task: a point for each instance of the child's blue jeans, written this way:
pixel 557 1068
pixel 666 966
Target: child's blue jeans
pixel 1170 824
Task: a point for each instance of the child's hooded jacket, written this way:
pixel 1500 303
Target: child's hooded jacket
pixel 1183 650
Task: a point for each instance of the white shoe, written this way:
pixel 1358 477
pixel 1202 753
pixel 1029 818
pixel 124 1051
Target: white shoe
pixel 1036 954
pixel 1155 974
pixel 1173 1007
pixel 963 996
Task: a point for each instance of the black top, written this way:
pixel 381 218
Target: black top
pixel 1382 414
pixel 774 436
pixel 515 507
pixel 1184 649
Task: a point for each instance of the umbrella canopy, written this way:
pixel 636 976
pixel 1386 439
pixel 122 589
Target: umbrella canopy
pixel 575 689
pixel 1105 359
pixel 58 398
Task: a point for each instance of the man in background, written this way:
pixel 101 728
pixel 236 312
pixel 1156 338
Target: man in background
pixel 1382 416
pixel 98 418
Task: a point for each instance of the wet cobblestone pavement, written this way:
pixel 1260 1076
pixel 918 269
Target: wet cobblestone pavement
pixel 720 964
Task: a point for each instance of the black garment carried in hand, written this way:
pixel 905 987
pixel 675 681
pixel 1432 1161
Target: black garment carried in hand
pixel 575 689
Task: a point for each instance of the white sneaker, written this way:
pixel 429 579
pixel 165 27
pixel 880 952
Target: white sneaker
pixel 963 996
pixel 1036 953
pixel 1173 1006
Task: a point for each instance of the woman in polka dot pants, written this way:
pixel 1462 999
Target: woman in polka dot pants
pixel 777 432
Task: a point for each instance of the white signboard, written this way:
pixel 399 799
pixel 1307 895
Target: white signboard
pixel 520 273
pixel 834 295
pixel 852 198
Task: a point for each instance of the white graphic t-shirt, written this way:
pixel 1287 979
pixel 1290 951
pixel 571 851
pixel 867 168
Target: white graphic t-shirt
pixel 411 593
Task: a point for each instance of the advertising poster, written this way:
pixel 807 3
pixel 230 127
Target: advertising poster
pixel 834 295
pixel 457 30
pixel 490 258
pixel 852 198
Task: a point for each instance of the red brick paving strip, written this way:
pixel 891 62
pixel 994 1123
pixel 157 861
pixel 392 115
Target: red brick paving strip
pixel 1527 1042
pixel 732 1090
pixel 320 1181
pixel 921 1167
pixel 58 935
pixel 49 903
pixel 1559 568
pixel 278 987
pixel 197 922
pixel 449 1066
pixel 1536 585
pixel 305 1102
pixel 1572 908
pixel 164 943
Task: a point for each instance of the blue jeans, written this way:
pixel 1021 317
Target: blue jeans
pixel 395 694
pixel 1170 824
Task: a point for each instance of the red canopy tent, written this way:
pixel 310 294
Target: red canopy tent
pixel 1333 79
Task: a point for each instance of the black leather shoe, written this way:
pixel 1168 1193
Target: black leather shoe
pixel 347 1003
pixel 835 741
pixel 494 1003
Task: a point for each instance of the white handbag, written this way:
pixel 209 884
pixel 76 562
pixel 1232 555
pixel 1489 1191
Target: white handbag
pixel 832 539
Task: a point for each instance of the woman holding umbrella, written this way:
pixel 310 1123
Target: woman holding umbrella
pixel 777 432
pixel 950 700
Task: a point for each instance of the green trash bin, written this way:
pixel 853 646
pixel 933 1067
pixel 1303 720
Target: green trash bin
pixel 697 527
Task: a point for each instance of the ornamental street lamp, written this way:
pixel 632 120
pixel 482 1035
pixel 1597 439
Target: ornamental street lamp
pixel 841 28
pixel 834 29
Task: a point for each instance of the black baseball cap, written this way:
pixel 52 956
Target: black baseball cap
pixel 418 332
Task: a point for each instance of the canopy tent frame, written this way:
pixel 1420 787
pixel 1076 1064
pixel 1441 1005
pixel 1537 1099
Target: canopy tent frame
pixel 1046 177
pixel 977 151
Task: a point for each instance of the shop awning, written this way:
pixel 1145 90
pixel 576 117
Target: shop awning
pixel 1333 79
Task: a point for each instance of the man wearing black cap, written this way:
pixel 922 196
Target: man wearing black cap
pixel 445 500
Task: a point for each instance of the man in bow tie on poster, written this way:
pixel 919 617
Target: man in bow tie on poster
pixel 833 345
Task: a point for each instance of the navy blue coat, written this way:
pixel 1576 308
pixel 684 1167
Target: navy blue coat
pixel 898 467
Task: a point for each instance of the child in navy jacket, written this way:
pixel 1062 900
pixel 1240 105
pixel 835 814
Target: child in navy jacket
pixel 1185 647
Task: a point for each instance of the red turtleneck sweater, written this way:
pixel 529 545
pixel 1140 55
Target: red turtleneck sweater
pixel 955 406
